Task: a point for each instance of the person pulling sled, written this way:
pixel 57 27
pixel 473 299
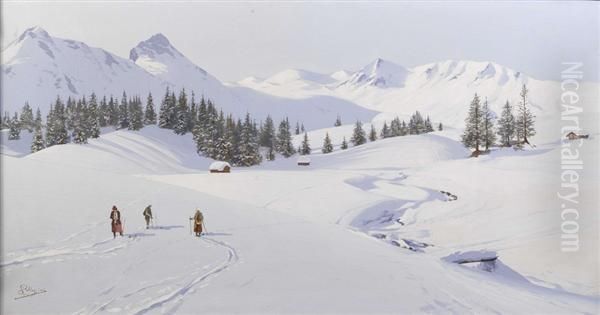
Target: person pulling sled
pixel 198 222
pixel 116 225
pixel 148 215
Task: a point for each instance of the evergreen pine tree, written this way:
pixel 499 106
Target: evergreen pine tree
pixel 489 136
pixel 60 134
pixel 37 122
pixel 113 113
pixel 182 114
pixel 136 114
pixel 297 128
pixel 338 121
pixel 506 125
pixel 80 132
pixel 428 126
pixel 525 119
pixel 385 130
pixel 344 145
pixel 327 145
pixel 149 114
pixel 267 134
pixel 164 120
pixel 305 146
pixel 27 118
pixel 14 132
pixel 93 120
pixel 284 139
pixel 103 113
pixel 440 127
pixel 193 115
pixel 50 133
pixel 248 153
pixel 403 128
pixel 472 136
pixel 372 133
pixel 395 128
pixel 37 143
pixel 358 135
pixel 70 112
pixel 123 112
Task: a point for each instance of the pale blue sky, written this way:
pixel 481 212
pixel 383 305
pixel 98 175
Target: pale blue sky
pixel 235 40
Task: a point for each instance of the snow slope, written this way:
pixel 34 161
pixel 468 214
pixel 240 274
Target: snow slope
pixel 371 187
pixel 298 252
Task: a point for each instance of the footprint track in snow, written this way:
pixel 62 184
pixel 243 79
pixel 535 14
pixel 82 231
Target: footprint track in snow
pixel 163 288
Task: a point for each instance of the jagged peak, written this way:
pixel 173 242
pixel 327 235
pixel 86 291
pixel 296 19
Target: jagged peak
pixel 159 39
pixel 157 44
pixel 34 32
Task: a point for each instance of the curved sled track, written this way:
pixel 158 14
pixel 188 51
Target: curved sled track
pixel 232 258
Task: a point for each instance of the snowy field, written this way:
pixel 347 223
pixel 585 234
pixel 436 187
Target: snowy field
pixel 365 230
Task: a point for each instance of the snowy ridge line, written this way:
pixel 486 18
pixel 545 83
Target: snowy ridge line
pixel 232 258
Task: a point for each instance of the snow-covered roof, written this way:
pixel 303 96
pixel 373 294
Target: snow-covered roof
pixel 218 166
pixel 303 159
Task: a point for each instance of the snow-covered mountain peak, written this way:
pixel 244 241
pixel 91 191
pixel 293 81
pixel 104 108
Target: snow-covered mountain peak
pixel 35 32
pixel 469 72
pixel 154 47
pixel 159 57
pixel 379 73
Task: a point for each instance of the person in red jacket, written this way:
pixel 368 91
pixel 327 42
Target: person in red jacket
pixel 116 225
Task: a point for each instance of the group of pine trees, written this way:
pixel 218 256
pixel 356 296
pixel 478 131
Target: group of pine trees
pixel 416 125
pixel 78 120
pixel 216 135
pixel 511 130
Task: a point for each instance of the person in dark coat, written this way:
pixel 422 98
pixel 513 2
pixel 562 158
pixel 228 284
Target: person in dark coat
pixel 116 225
pixel 198 220
pixel 148 215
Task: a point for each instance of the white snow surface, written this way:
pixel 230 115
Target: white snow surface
pixel 363 230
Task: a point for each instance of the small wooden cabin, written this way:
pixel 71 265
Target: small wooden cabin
pixel 220 167
pixel 573 136
pixel 304 161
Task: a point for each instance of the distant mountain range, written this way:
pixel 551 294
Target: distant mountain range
pixel 37 67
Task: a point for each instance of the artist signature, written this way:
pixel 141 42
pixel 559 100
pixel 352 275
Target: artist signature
pixel 27 291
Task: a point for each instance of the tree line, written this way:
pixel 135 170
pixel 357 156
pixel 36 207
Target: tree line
pixel 219 136
pixel 216 135
pixel 416 125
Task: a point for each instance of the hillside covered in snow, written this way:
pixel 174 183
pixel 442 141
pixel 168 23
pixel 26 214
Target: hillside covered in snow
pixel 324 210
pixel 356 231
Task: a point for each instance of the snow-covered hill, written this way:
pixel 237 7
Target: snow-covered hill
pixel 282 238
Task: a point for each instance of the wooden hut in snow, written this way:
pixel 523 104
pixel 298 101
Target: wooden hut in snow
pixel 219 167
pixel 304 161
pixel 573 136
